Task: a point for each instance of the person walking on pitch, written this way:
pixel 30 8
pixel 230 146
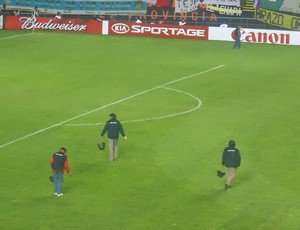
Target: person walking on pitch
pixel 59 163
pixel 113 127
pixel 231 159
pixel 237 34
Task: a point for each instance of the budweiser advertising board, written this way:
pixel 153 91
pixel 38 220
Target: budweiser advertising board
pixel 158 30
pixel 53 24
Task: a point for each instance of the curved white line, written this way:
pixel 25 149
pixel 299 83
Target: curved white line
pixel 152 118
pixel 105 106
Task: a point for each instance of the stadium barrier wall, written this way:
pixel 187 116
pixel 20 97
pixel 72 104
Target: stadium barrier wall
pixel 280 37
pixel 203 33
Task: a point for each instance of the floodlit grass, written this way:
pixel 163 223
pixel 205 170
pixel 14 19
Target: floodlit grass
pixel 165 177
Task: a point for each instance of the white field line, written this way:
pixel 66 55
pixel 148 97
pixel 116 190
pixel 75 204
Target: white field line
pixel 152 118
pixel 15 36
pixel 105 106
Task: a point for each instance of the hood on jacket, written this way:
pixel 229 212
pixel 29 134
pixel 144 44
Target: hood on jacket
pixel 231 143
pixel 113 115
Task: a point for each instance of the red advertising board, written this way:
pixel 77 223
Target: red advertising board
pixel 53 24
pixel 158 30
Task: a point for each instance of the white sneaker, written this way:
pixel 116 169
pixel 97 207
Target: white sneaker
pixel 60 194
pixel 55 194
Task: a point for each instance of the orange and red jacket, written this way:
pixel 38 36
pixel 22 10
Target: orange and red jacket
pixel 59 162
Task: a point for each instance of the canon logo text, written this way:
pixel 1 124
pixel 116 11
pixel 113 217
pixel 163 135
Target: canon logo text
pixel 264 37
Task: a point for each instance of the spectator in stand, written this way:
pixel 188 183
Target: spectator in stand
pixel 4 6
pixel 137 20
pixel 182 22
pixel 16 12
pixel 58 15
pixel 162 21
pixel 224 25
pixel 98 18
pixel 35 12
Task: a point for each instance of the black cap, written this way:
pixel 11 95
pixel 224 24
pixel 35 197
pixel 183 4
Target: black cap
pixel 113 115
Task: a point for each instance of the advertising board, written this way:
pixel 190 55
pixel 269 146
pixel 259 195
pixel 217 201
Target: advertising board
pixel 279 37
pixel 53 24
pixel 158 30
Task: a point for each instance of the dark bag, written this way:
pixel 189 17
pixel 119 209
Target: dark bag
pixel 101 145
pixel 220 173
pixel 51 178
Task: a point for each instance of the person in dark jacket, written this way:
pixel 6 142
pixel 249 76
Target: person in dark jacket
pixel 231 159
pixel 237 34
pixel 113 127
pixel 59 163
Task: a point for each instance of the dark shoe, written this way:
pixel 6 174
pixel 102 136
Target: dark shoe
pixel 227 186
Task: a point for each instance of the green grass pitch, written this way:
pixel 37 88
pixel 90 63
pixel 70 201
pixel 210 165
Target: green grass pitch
pixel 180 101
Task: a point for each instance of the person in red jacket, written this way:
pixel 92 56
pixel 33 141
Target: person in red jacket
pixel 59 163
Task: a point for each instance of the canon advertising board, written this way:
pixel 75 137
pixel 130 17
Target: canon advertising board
pixel 278 37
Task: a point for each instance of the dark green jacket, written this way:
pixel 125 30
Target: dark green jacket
pixel 231 157
pixel 113 128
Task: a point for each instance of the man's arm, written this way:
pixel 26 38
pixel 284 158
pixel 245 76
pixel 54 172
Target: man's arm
pixel 52 161
pixel 66 166
pixel 122 131
pixel 104 129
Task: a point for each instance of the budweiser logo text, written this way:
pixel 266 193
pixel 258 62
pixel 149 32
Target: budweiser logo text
pixel 32 23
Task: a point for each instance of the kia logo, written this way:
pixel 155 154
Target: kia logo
pixel 120 28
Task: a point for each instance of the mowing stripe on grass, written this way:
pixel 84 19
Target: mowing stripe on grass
pixel 152 118
pixel 105 106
